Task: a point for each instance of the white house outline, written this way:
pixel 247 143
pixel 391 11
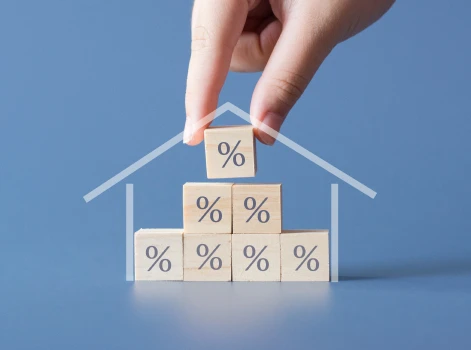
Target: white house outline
pixel 245 116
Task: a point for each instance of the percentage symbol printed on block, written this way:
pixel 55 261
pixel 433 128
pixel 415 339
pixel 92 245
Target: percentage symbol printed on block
pixel 300 253
pixel 237 158
pixel 256 258
pixel 203 204
pixel 209 256
pixel 153 254
pixel 251 204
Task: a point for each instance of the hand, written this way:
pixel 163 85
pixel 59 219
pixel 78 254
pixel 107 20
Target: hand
pixel 287 39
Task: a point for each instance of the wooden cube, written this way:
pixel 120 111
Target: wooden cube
pixel 230 152
pixel 207 257
pixel 256 257
pixel 256 208
pixel 158 254
pixel 305 255
pixel 207 208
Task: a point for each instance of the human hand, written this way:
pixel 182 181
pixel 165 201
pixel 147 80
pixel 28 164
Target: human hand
pixel 287 39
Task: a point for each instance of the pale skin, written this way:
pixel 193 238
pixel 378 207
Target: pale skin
pixel 286 39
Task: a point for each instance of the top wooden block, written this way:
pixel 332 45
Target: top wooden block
pixel 230 152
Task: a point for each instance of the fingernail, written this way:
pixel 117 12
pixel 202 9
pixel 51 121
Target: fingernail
pixel 268 128
pixel 188 131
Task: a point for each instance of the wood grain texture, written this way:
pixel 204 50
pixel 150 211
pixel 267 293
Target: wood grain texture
pixel 249 195
pixel 221 212
pixel 215 162
pixel 296 246
pixel 145 240
pixel 199 248
pixel 252 245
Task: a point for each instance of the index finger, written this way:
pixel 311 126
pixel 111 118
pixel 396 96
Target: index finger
pixel 216 27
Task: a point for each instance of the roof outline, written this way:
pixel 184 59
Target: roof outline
pixel 228 106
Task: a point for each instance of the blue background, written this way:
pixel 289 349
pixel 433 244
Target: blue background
pixel 89 87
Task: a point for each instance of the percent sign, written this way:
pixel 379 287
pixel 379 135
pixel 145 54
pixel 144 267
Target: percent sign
pixel 209 256
pixel 152 253
pixel 256 258
pixel 252 206
pixel 300 253
pixel 231 152
pixel 214 214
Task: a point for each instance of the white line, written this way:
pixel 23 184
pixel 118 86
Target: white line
pixel 133 167
pixel 326 166
pixel 334 233
pixel 244 115
pixel 129 232
pixel 152 155
pixel 306 154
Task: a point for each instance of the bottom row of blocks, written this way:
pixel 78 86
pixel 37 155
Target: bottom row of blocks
pixel 168 255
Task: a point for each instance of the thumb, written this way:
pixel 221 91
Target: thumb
pixel 304 43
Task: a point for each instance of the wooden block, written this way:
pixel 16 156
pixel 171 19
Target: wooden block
pixel 256 257
pixel 305 255
pixel 207 257
pixel 158 254
pixel 256 208
pixel 207 208
pixel 230 152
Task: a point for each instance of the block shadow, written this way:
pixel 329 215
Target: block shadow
pixel 416 268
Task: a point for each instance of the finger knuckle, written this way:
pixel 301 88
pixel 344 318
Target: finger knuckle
pixel 247 58
pixel 204 40
pixel 200 38
pixel 289 86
